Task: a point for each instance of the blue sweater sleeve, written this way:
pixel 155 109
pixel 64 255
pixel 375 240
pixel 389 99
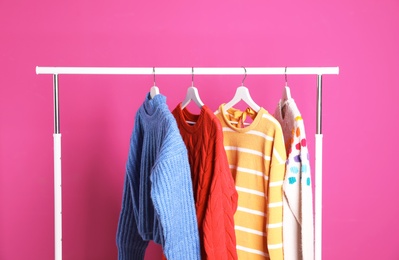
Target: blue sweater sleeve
pixel 129 242
pixel 172 195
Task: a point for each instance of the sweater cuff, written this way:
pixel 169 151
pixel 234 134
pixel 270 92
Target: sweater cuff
pixel 184 251
pixel 131 253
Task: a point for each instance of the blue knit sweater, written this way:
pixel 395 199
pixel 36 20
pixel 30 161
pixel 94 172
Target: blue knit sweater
pixel 158 199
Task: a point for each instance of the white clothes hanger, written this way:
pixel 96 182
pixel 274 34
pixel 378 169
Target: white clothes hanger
pixel 286 90
pixel 154 89
pixel 286 96
pixel 192 94
pixel 242 93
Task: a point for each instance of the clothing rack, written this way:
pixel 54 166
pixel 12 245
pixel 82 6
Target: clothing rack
pixel 56 71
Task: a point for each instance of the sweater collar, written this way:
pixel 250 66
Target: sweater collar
pixel 282 107
pixel 151 105
pixel 186 119
pixel 229 115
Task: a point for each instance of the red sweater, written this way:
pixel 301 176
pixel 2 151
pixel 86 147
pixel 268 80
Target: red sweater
pixel 213 185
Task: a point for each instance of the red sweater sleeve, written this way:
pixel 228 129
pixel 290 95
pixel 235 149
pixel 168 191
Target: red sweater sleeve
pixel 218 225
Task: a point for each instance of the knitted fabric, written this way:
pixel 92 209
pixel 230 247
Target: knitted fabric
pixel 298 210
pixel 158 201
pixel 257 157
pixel 214 191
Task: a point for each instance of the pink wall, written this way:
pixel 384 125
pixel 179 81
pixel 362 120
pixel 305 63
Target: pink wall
pixel 359 124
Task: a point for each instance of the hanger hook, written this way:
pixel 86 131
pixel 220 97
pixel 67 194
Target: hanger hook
pixel 192 76
pixel 285 75
pixel 245 76
pixel 153 71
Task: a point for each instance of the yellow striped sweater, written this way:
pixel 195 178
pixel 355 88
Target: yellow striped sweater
pixel 257 156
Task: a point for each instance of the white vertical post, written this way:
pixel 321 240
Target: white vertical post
pixel 57 175
pixel 318 197
pixel 57 197
pixel 318 174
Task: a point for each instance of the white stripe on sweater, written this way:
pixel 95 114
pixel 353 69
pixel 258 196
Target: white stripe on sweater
pixel 251 191
pixel 251 211
pixel 246 150
pixel 276 225
pixel 279 159
pixel 258 133
pixel 246 170
pixel 250 230
pixel 274 246
pixel 275 204
pixel 276 183
pixel 251 132
pixel 250 250
pixel 271 118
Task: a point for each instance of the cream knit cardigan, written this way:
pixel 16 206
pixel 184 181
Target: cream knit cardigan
pixel 298 237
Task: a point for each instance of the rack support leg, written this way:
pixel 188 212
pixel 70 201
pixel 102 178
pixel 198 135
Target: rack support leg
pixel 318 173
pixel 57 175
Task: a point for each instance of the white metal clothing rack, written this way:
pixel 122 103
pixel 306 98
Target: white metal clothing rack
pixel 56 71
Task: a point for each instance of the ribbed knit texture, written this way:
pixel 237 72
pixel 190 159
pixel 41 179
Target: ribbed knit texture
pixel 298 201
pixel 158 201
pixel 257 157
pixel 214 191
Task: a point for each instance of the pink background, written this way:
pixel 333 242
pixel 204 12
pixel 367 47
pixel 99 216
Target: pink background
pixel 360 116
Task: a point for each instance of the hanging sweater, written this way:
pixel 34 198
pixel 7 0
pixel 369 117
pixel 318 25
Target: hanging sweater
pixel 158 201
pixel 257 156
pixel 298 211
pixel 214 191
